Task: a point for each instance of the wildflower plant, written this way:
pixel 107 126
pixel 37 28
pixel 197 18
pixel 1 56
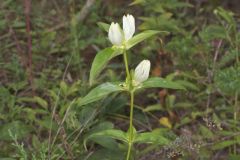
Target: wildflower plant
pixel 123 40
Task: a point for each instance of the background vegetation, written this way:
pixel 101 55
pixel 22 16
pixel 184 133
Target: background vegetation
pixel 46 51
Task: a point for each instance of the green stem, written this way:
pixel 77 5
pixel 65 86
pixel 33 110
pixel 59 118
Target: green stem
pixel 130 89
pixel 235 119
pixel 126 65
pixel 130 126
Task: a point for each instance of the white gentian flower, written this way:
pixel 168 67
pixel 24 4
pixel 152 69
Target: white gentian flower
pixel 142 71
pixel 115 34
pixel 128 26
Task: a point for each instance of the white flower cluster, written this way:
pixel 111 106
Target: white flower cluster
pixel 117 36
pixel 115 33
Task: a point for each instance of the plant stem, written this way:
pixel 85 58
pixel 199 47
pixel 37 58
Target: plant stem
pixel 27 4
pixel 130 89
pixel 130 125
pixel 235 119
pixel 236 97
pixel 126 65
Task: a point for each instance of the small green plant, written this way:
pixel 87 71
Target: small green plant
pixel 22 154
pixel 123 40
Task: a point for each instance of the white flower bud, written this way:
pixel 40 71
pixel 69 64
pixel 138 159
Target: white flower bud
pixel 115 34
pixel 142 71
pixel 128 26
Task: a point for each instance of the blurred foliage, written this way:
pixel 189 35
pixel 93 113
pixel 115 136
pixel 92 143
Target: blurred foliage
pixel 202 49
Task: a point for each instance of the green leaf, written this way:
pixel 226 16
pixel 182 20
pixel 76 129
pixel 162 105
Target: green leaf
pixel 234 157
pixel 137 2
pixel 110 133
pixel 45 121
pixel 17 128
pixel 184 121
pixel 106 142
pixel 154 107
pixel 224 144
pixel 36 143
pixel 103 26
pixel 188 85
pixel 40 101
pixel 101 59
pixel 212 32
pixel 134 133
pixel 105 154
pixel 141 36
pixel 206 132
pixel 99 92
pixel 64 87
pixel 113 133
pixel 101 127
pixel 226 15
pixel 228 80
pixel 154 137
pixel 160 82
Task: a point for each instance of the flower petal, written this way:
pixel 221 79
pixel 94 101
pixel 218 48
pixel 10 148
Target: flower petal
pixel 128 26
pixel 115 34
pixel 142 71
